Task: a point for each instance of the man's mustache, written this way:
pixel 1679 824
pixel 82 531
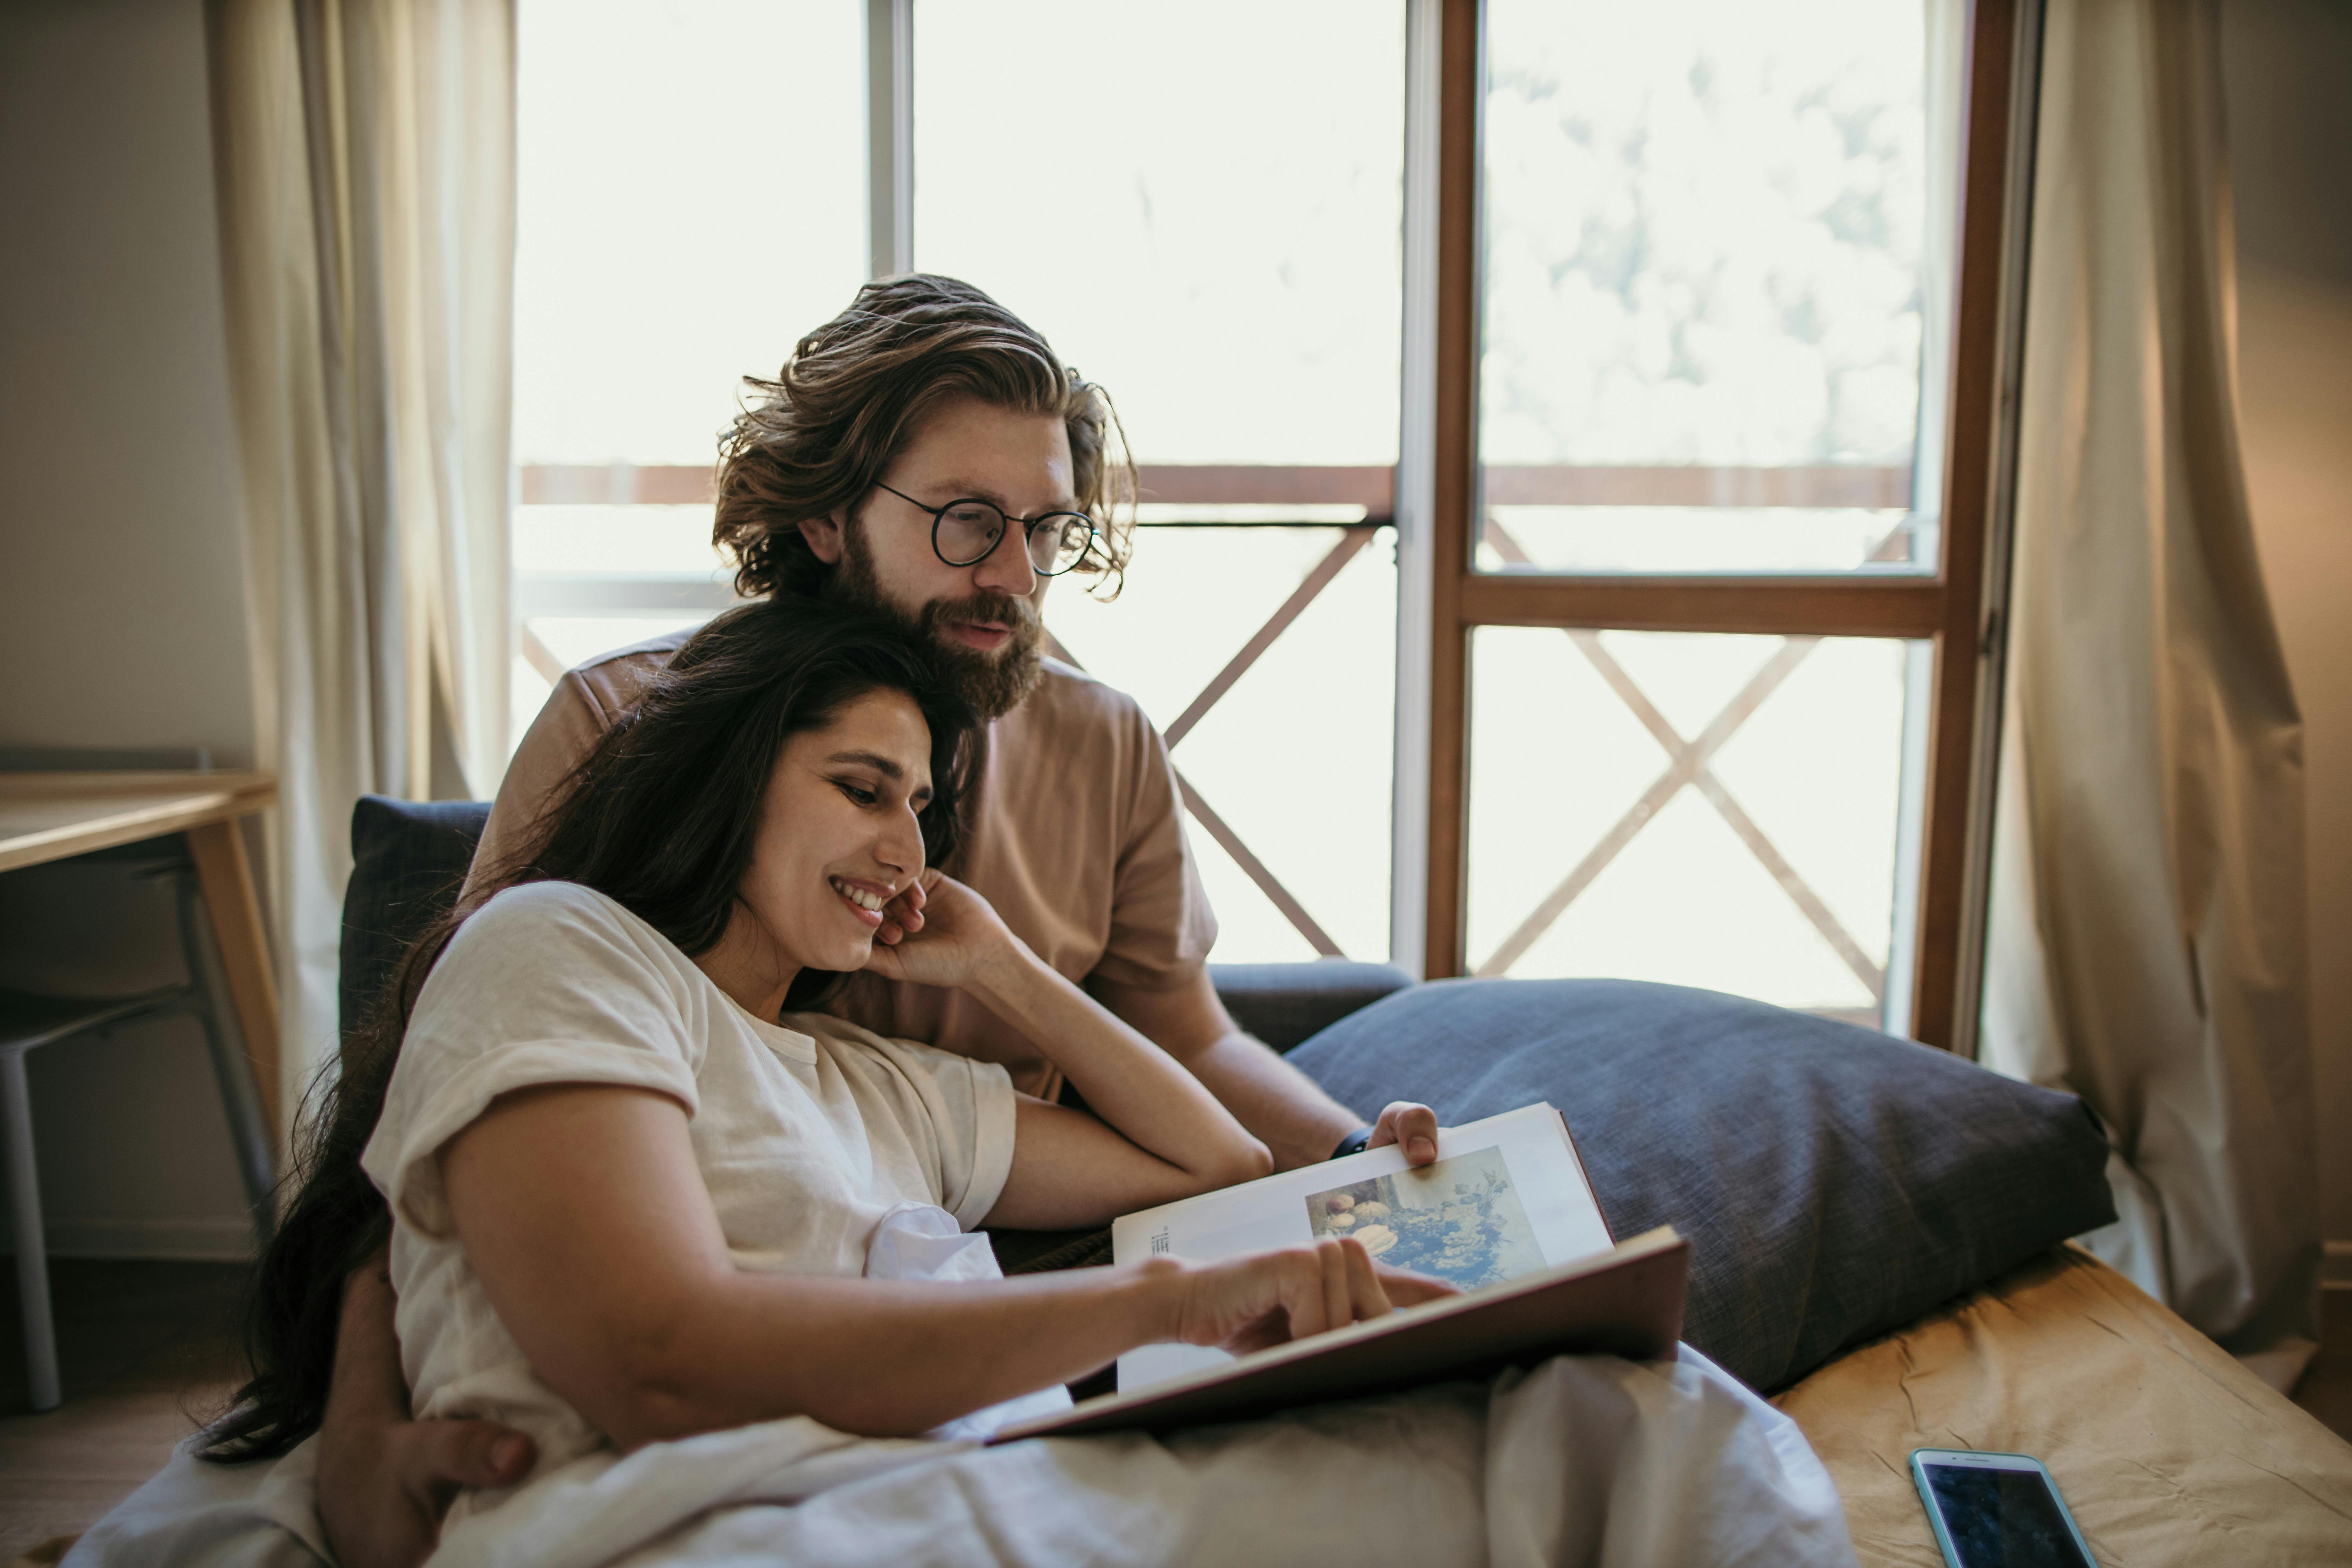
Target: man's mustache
pixel 983 607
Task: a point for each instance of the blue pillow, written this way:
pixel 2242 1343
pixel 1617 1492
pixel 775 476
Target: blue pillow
pixel 1834 1183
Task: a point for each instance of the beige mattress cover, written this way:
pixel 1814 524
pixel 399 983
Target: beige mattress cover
pixel 2167 1450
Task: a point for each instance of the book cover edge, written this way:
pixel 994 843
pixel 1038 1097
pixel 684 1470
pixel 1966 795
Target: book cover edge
pixel 1650 1243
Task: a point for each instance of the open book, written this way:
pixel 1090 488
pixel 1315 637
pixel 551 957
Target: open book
pixel 1505 1213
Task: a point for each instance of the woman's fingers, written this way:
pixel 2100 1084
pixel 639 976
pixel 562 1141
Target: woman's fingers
pixel 1248 1303
pixel 1401 1288
pixel 1339 1304
pixel 902 917
pixel 1365 1296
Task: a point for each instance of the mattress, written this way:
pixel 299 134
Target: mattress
pixel 2167 1450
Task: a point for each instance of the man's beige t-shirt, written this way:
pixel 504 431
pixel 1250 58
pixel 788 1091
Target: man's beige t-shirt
pixel 1075 834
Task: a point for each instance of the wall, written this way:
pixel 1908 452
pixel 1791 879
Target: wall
pixel 121 591
pixel 2287 72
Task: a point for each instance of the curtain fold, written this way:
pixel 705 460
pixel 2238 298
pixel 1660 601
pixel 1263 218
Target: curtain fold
pixel 2147 948
pixel 364 163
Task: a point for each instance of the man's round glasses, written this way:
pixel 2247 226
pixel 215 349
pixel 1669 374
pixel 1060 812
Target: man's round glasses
pixel 964 532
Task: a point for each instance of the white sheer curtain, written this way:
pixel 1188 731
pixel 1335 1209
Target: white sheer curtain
pixel 363 156
pixel 2148 944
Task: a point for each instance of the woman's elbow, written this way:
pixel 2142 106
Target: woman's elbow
pixel 641 1392
pixel 633 1418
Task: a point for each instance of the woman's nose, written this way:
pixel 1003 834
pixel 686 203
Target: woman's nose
pixel 901 847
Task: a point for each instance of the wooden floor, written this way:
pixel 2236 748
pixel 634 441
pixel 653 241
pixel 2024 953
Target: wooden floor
pixel 143 1349
pixel 148 1347
pixel 2326 1389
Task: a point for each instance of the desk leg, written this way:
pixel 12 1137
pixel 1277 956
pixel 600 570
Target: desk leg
pixel 228 882
pixel 32 1249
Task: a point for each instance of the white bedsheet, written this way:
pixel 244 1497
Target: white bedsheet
pixel 1585 1459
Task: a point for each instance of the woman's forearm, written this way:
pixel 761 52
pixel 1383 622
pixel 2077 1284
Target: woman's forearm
pixel 585 1216
pixel 1127 1080
pixel 876 1357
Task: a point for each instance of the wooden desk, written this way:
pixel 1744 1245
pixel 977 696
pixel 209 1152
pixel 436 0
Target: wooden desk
pixel 50 817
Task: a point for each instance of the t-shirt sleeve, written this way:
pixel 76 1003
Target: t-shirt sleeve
pixel 1161 927
pixel 970 1106
pixel 548 983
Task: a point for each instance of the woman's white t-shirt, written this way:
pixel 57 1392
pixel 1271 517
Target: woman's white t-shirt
pixel 806 1136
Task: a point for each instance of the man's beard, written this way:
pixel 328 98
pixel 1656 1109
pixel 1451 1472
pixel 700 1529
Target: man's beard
pixel 993 684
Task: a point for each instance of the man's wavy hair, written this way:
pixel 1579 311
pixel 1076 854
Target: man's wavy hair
pixel 855 393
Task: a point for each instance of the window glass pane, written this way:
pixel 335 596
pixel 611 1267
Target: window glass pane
pixel 1703 810
pixel 1712 293
pixel 1201 204
pixel 1214 233
pixel 690 199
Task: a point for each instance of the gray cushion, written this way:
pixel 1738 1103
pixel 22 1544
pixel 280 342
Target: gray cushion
pixel 1834 1183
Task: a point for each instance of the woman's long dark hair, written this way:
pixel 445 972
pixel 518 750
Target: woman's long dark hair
pixel 659 816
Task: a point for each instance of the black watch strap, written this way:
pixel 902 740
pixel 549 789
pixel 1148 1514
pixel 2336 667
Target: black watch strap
pixel 1353 1143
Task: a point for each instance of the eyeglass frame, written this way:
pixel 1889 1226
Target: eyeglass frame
pixel 1029 527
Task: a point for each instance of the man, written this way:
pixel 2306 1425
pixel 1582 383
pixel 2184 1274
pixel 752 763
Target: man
pixel 924 454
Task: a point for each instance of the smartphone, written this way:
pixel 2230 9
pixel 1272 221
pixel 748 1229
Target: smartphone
pixel 1997 1510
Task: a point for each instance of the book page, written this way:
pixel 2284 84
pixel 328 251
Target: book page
pixel 1506 1198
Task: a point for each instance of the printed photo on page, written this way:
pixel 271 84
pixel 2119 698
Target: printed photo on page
pixel 1506 1198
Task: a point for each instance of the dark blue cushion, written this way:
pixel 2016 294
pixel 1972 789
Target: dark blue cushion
pixel 1834 1183
pixel 408 860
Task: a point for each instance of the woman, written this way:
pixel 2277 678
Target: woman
pixel 640 1208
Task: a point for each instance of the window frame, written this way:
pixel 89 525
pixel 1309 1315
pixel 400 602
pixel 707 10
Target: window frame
pixel 1959 610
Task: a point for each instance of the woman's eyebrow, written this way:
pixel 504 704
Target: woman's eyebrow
pixel 875 760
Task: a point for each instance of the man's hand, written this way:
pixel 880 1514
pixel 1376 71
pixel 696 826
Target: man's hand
pixel 381 1492
pixel 1411 1124
pixel 385 1480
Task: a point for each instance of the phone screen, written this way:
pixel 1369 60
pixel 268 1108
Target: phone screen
pixel 2002 1519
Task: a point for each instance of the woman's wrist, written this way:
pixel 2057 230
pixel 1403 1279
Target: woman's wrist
pixel 1158 1290
pixel 1008 975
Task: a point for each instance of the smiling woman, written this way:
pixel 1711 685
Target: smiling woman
pixel 593 1058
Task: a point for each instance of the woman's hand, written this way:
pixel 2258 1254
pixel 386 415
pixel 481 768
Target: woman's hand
pixel 1246 1304
pixel 956 936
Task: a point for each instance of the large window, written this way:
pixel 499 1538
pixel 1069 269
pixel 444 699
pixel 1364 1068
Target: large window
pixel 1573 382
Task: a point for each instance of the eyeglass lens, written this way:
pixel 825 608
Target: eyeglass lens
pixel 968 530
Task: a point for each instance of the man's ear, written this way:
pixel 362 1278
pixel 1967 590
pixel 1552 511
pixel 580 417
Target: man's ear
pixel 823 536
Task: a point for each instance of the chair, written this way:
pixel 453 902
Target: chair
pixel 29 1021
pixel 409 857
